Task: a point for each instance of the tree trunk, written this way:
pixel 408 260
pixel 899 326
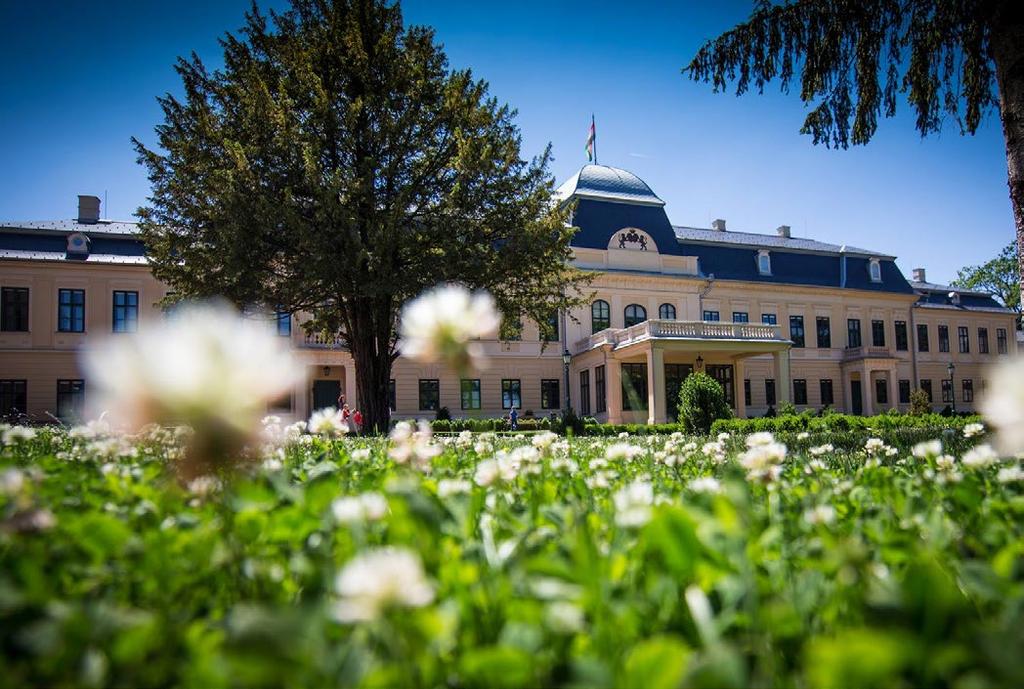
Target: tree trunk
pixel 1007 46
pixel 370 346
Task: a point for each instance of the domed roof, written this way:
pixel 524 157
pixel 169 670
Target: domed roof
pixel 607 183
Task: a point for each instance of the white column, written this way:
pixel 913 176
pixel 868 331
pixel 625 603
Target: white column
pixel 656 386
pixel 867 392
pixel 613 382
pixel 782 384
pixel 350 387
pixel 894 402
pixel 738 375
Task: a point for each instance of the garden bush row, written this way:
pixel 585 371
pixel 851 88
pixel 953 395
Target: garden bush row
pixel 831 423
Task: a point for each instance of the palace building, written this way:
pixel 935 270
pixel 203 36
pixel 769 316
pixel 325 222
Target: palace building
pixel 775 318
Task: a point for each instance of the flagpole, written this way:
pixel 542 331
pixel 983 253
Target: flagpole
pixel 594 127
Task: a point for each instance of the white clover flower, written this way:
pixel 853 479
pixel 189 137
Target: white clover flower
pixel 633 504
pixel 1003 406
pixel 1010 474
pixel 414 447
pixel 973 429
pixel 327 422
pixel 803 435
pixel 378 579
pixel 441 324
pixel 563 617
pixel 464 440
pixel 448 487
pixel 874 445
pixel 756 439
pixel 722 437
pixel 705 484
pixel 622 451
pixel 203 486
pixel 980 457
pixel 598 480
pixel 94 429
pixel 763 460
pixel 543 440
pixel 487 472
pixel 18 434
pixel 207 368
pixel 623 435
pixel 361 455
pixel 815 465
pixel 928 448
pixel 370 506
pixel 821 449
pixel 820 514
pixel 945 463
pixel 11 482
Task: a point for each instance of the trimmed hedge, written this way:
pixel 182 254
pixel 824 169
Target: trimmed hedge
pixel 840 422
pixel 485 425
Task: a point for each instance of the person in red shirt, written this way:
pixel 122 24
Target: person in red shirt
pixel 357 417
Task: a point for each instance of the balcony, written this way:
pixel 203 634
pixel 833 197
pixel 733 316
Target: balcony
pixel 321 341
pixel 858 353
pixel 712 331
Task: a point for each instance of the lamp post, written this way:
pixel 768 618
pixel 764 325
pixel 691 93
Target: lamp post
pixel 700 363
pixel 566 358
pixel 952 389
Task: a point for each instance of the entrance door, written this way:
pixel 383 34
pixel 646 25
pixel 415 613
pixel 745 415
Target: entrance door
pixel 858 403
pixel 325 393
pixel 723 374
pixel 675 374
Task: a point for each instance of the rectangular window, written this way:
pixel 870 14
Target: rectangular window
pixel 553 324
pixel 392 395
pixel 963 339
pixel 430 394
pixel 585 392
pixel 283 321
pixel 740 317
pixel 922 338
pixel 881 391
pixel 852 333
pixel 947 390
pixel 983 340
pixel 827 397
pixel 511 393
pixel 747 398
pixel 904 386
pixel 71 310
pixel 769 319
pixel 968 387
pixel 796 330
pixel 600 391
pixel 13 395
pixel 943 338
pixel 901 336
pixel 14 309
pixel 799 391
pixel 711 316
pixel 877 333
pixel 769 391
pixel 1001 340
pixel 549 393
pixel 470 393
pixel 926 387
pixel 126 311
pixel 824 332
pixel 634 387
pixel 70 399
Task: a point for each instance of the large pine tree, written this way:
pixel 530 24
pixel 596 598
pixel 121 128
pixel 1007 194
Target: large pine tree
pixel 337 165
pixel 853 60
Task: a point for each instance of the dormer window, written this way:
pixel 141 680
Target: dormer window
pixel 764 263
pixel 875 270
pixel 78 243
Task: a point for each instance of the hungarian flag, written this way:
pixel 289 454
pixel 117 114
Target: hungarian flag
pixel 591 140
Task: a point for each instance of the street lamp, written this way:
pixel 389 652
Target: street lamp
pixel 566 358
pixel 952 389
pixel 700 363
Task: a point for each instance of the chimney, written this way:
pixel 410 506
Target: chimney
pixel 918 275
pixel 783 231
pixel 718 225
pixel 88 209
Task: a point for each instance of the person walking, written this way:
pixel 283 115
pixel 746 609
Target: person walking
pixel 357 419
pixel 346 418
pixel 513 418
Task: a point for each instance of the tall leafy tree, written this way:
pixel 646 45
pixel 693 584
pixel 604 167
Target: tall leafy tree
pixel 337 165
pixel 854 59
pixel 998 277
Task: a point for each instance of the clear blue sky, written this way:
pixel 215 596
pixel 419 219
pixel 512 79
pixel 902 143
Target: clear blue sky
pixel 80 78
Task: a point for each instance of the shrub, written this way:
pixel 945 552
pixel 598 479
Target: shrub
pixel 701 403
pixel 443 414
pixel 787 409
pixel 919 402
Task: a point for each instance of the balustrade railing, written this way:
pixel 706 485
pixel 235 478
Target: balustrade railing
pixel 698 330
pixel 321 341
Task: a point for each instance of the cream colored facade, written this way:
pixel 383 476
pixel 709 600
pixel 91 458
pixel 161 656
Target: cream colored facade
pixel 693 321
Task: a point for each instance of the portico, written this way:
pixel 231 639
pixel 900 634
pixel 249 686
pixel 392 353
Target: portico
pixel 641 363
pixel 866 372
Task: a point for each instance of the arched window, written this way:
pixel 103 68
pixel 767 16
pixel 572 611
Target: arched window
pixel 600 315
pixel 635 314
pixel 667 312
pixel 875 270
